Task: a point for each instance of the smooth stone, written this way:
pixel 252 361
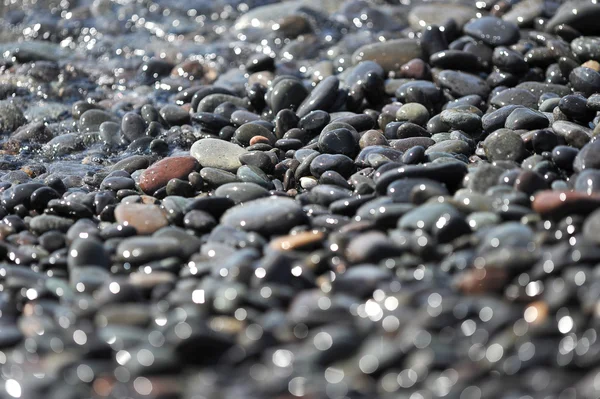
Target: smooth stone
pixel 454 59
pixel 496 119
pixel 241 192
pixel 509 60
pixel 131 164
pixel 482 220
pixel 450 173
pixel 36 132
pixel 402 191
pixel 504 145
pixel 563 156
pixel 159 173
pixel 465 121
pixel 509 235
pixel 588 181
pixel 87 252
pixel 321 97
pixel 212 101
pixel 390 55
pixel 427 216
pixel 406 144
pixel 252 174
pixel 217 154
pixel 214 177
pixel 287 94
pixel 43 223
pixel 581 15
pixel 174 115
pixel 451 147
pixel 336 162
pixel 143 249
pixel 199 221
pixel 526 119
pixel 371 246
pixel 585 80
pixel 493 31
pixel 145 218
pixel 538 89
pixel 245 133
pixel 266 216
pixel 338 141
pixel 586 47
pixel 588 157
pixel 557 204
pixel 574 134
pixel 514 96
pixel 91 120
pixel 575 107
pixel 463 84
pixel 132 126
pixel 413 112
pixel 299 241
pixel 483 177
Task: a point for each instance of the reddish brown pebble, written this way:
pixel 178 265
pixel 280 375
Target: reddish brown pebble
pixel 297 241
pixel 415 69
pixel 159 174
pixel 259 139
pixel 556 204
pixel 595 65
pixel 480 281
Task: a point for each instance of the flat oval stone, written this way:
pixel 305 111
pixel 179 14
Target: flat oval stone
pixel 299 241
pixel 143 249
pixel 218 154
pixel 493 31
pixel 43 223
pixel 390 55
pixel 266 216
pixel 463 84
pixel 451 174
pixel 514 96
pixel 526 119
pixel 558 204
pixel 145 218
pixel 159 173
pixel 241 192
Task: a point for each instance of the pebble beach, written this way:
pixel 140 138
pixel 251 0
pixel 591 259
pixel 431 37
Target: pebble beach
pixel 319 199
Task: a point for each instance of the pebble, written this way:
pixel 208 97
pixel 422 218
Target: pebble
pixel 504 145
pixel 390 55
pixel 159 173
pixel 145 218
pixel 265 216
pixel 219 154
pixel 493 31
